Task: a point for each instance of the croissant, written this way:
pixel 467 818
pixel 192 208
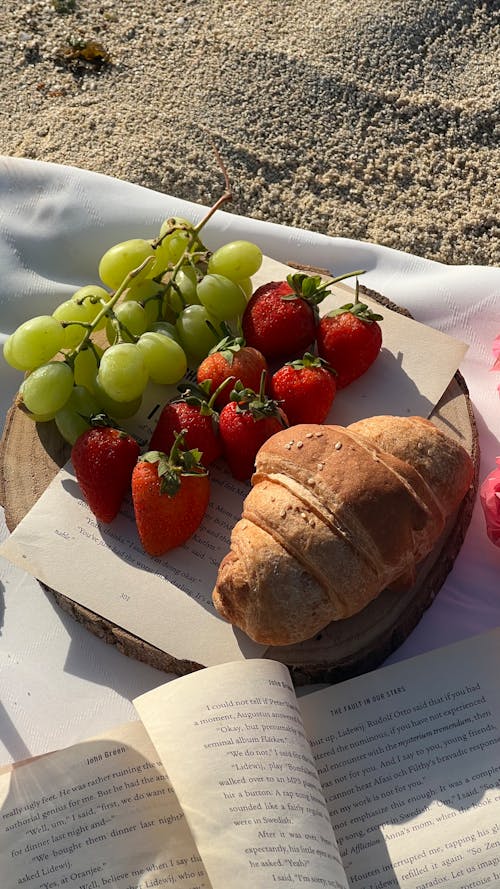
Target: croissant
pixel 334 516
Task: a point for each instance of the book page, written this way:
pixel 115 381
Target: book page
pixel 101 813
pixel 244 775
pixel 167 601
pixel 409 761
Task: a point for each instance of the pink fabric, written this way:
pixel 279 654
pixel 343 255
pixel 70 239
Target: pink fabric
pixel 496 352
pixel 490 488
pixel 490 501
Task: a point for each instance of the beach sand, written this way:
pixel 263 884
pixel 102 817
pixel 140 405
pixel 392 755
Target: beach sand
pixel 369 119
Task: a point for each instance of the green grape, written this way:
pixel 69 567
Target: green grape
pixel 246 285
pixel 174 302
pixel 122 372
pixel 177 244
pixel 175 234
pixel 173 223
pixel 164 358
pixel 236 260
pixel 37 418
pixel 152 311
pixel 47 388
pixel 222 297
pixel 163 260
pixel 150 295
pixel 169 252
pixel 73 418
pixel 7 354
pixel 74 315
pixel 187 280
pixel 166 329
pixel 94 297
pixel 35 342
pixel 123 258
pixel 85 367
pixel 118 410
pixel 195 336
pixel 130 314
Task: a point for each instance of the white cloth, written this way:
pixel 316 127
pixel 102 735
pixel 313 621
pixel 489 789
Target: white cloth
pixel 58 683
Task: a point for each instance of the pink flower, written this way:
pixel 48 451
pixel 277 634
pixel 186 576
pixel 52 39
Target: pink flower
pixel 496 353
pixel 489 493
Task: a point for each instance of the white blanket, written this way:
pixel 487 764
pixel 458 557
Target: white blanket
pixel 58 683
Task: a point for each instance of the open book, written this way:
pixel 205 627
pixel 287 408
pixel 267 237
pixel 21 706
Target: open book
pixel 231 780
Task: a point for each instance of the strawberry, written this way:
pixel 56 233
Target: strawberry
pixel 103 459
pixel 194 414
pixel 170 496
pixel 245 423
pixel 280 318
pixel 231 358
pixel 278 321
pixel 305 389
pixel 350 338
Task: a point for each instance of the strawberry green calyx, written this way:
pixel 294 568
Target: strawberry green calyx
pixel 228 347
pixel 102 419
pixel 310 360
pixel 174 465
pixel 198 395
pixel 360 310
pixel 308 287
pixel 258 404
pixel 357 308
pixel 312 288
pixel 228 343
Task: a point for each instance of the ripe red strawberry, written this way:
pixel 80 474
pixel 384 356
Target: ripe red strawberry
pixel 305 388
pixel 280 318
pixel 170 496
pixel 231 358
pixel 278 321
pixel 350 338
pixel 194 414
pixel 245 423
pixel 103 460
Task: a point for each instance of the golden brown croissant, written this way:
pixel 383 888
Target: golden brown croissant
pixel 335 515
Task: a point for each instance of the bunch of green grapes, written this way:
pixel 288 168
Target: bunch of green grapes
pixel 158 309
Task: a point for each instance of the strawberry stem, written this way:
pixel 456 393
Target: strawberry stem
pixel 310 360
pixel 199 395
pixel 346 275
pixel 178 462
pixel 259 405
pixel 311 288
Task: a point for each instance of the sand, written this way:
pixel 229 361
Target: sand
pixel 369 119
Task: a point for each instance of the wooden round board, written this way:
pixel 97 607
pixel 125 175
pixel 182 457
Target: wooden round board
pixel 31 455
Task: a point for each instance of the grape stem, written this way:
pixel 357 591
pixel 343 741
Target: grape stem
pixel 107 309
pixel 120 330
pixel 224 198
